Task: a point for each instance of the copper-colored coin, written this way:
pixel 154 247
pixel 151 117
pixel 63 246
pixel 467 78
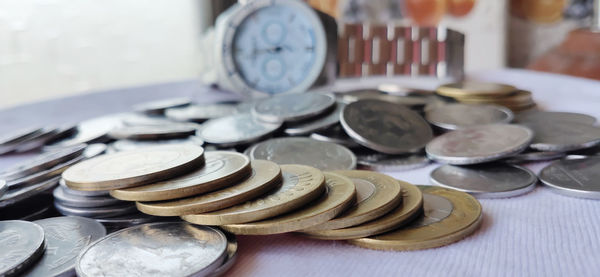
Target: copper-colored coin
pixel 475 89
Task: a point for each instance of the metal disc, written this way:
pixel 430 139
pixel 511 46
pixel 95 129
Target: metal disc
pixel 479 144
pixel 41 162
pixel 386 127
pixel 457 116
pixel 18 135
pixel 335 134
pixel 534 157
pixel 200 113
pixel 38 140
pixel 152 132
pixel 90 193
pixel 3 187
pixel 486 181
pixel 475 89
pixel 126 145
pixel 96 212
pixel 94 149
pixel 14 196
pixel 159 106
pixel 232 247
pixel 79 201
pixel 317 124
pixel 235 130
pixel 292 107
pixel 383 162
pixel 92 131
pixel 547 117
pixel 22 245
pixel 574 177
pixel 563 136
pixel 43 175
pixel 125 221
pixel 155 249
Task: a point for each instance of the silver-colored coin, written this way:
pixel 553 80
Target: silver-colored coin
pixel 457 116
pixel 126 145
pixel 386 127
pixel 42 162
pixel 317 124
pixel 305 151
pixel 14 196
pixel 292 107
pixel 40 213
pixel 534 157
pixel 96 212
pixel 479 144
pixel 383 162
pixel 485 181
pixel 236 130
pixel 574 177
pixel 201 113
pixel 18 135
pixel 43 175
pixel 546 117
pixel 563 136
pixel 79 201
pixel 232 247
pixel 159 106
pixel 92 131
pixel 350 96
pixel 3 187
pixel 127 220
pixel 246 106
pixel 65 237
pixel 22 244
pixel 152 132
pixel 335 134
pixel 155 249
pixel 90 193
pixel 94 149
pixel 38 140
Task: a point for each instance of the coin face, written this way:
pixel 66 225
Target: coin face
pixel 479 144
pixel 473 89
pixel 96 212
pixel 236 129
pixel 152 132
pixel 159 106
pixel 486 181
pixel 564 136
pixel 292 107
pixel 67 199
pixel 301 184
pixel 41 162
pixel 200 113
pixel 314 125
pixel 155 249
pixel 383 162
pixel 457 116
pixel 222 168
pixel 133 168
pixel 322 155
pixel 386 127
pixel 335 134
pixel 574 177
pixel 22 244
pixel 546 117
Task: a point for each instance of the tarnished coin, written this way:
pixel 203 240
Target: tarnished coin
pixel 94 149
pixel 475 89
pixel 412 206
pixel 92 131
pixel 316 124
pixel 159 106
pixel 201 113
pixel 236 129
pixel 41 162
pixel 222 168
pixel 153 132
pixel 486 181
pixel 134 168
pixel 376 195
pixel 335 134
pixel 534 157
pixel 265 176
pixel 232 247
pixel 22 245
pixel 292 107
pixel 155 249
pixel 339 195
pixel 574 177
pixel 547 117
pixel 126 145
pixel 449 216
pixel 14 196
pixel 3 187
pixel 386 127
pixel 383 162
pixel 301 185
pixel 306 151
pixel 90 193
pixel 96 212
pixel 65 237
pixel 457 116
pixel 565 136
pixel 79 201
pixel 43 175
pixel 479 144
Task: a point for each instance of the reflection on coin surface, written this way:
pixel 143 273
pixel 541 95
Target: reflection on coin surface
pixel 152 132
pixel 200 113
pixel 486 181
pixel 313 125
pixel 457 116
pixel 155 249
pixel 386 127
pixel 546 117
pixel 22 244
pixel 479 144
pixel 574 177
pixel 41 162
pixel 292 107
pixel 474 89
pixel 159 106
pixel 563 136
pixel 236 129
pixel 383 162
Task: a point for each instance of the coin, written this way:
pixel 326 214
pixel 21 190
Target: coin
pixel 71 191
pixel 339 195
pixel 546 117
pixel 449 216
pixel 65 237
pixel 517 98
pixel 301 185
pixel 306 151
pixel 574 177
pixel 457 116
pixel 133 168
pixel 385 127
pixel 155 249
pixel 14 196
pixel 486 181
pixel 534 157
pixel 41 162
pixel 562 137
pixel 159 106
pixel 335 134
pixel 37 140
pixel 265 176
pixel 79 201
pixel 43 175
pixel 18 135
pixel 22 244
pixel 317 124
pixel 236 129
pixel 348 97
pixel 222 169
pixel 94 149
pixel 232 247
pixel 96 212
pixel 92 131
pixel 292 107
pixel 383 162
pixel 152 132
pixel 200 113
pixel 412 206
pixel 376 195
pixel 474 89
pixel 125 221
pixel 479 144
pixel 413 102
pixel 3 187
pixel 126 145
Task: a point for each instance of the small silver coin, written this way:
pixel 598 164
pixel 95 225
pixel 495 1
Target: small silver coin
pixel 126 145
pixel 317 124
pixel 92 131
pixel 574 177
pixel 3 187
pixel 42 162
pixel 17 195
pixel 201 113
pixel 96 212
pixel 159 106
pixel 236 130
pixel 457 116
pixel 94 149
pixel 335 134
pixel 534 157
pixel 386 127
pixel 43 175
pixel 78 201
pixel 383 162
pixel 232 247
pixel 155 249
pixel 90 193
pixel 18 135
pixel 563 136
pixel 65 237
pixel 152 132
pixel 22 245
pixel 292 107
pixel 546 117
pixel 479 144
pixel 485 181
pixel 305 151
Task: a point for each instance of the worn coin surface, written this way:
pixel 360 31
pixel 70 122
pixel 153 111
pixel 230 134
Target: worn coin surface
pixel 479 144
pixel 457 116
pixel 152 132
pixel 155 249
pixel 222 168
pixel 96 212
pixel 563 136
pixel 292 107
pixel 335 134
pixel 317 124
pixel 475 89
pixel 200 113
pixel 547 117
pixel 71 200
pixel 133 168
pixel 574 177
pixel 41 162
pixel 385 127
pixel 485 181
pixel 383 162
pixel 22 245
pixel 236 129
pixel 301 185
pixel 159 106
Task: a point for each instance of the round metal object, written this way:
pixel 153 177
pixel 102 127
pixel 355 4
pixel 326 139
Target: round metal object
pixel 126 145
pixel 152 132
pixel 92 131
pixel 14 196
pixel 563 136
pixel 159 106
pixel 86 193
pixel 128 220
pixel 78 201
pixel 235 130
pixel 457 116
pixel 534 157
pixel 3 187
pixel 574 177
pixel 42 162
pixel 335 134
pixel 475 89
pixel 43 175
pixel 22 245
pixel 292 107
pixel 383 162
pixel 201 113
pixel 316 124
pixel 96 212
pixel 18 135
pixel 94 149
pixel 232 247
pixel 547 117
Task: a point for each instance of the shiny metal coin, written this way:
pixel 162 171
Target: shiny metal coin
pixel 94 149
pixel 92 131
pixel 159 106
pixel 475 89
pixel 479 144
pixel 41 162
pixel 126 145
pixel 546 117
pixel 201 113
pixel 306 151
pixel 574 177
pixel 486 181
pixel 22 245
pixel 152 132
pixel 65 237
pixel 232 247
pixel 335 134
pixel 563 136
pixel 534 157
pixel 38 140
pixel 316 124
pixel 3 187
pixel 125 221
pixel 43 175
pixel 155 249
pixel 457 116
pixel 79 201
pixel 292 107
pixel 383 162
pixel 18 135
pixel 236 130
pixel 17 195
pixel 96 212
pixel 386 127
pixel 84 193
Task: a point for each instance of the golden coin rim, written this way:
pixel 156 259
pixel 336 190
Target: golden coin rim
pixel 455 90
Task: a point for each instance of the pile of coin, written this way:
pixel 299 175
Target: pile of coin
pixel 488 93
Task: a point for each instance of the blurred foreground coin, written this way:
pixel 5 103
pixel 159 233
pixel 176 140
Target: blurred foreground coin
pixel 22 245
pixel 574 177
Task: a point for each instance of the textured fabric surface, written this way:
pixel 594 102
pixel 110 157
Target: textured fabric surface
pixel 537 234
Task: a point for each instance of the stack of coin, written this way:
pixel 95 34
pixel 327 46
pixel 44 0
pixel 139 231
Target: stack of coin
pixel 488 93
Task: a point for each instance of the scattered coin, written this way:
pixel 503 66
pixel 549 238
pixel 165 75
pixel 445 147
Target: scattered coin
pixel 159 106
pixel 14 196
pixel 534 157
pixel 43 175
pixel 383 162
pixel 91 131
pixel 232 247
pixel 152 132
pixel 41 162
pixel 574 177
pixel 562 137
pixel 546 117
pixel 200 113
pixel 235 130
pixel 96 212
pixel 22 245
pixel 18 135
pixel 79 201
pixel 126 145
pixel 37 140
pixel 292 107
pixel 94 149
pixel 335 134
pixel 475 89
pixel 317 124
pixel 457 116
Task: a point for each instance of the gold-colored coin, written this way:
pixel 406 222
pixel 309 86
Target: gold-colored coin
pixel 412 206
pixel 376 195
pixel 265 176
pixel 516 98
pixel 475 89
pixel 133 168
pixel 301 184
pixel 449 216
pixel 223 168
pixel 339 195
